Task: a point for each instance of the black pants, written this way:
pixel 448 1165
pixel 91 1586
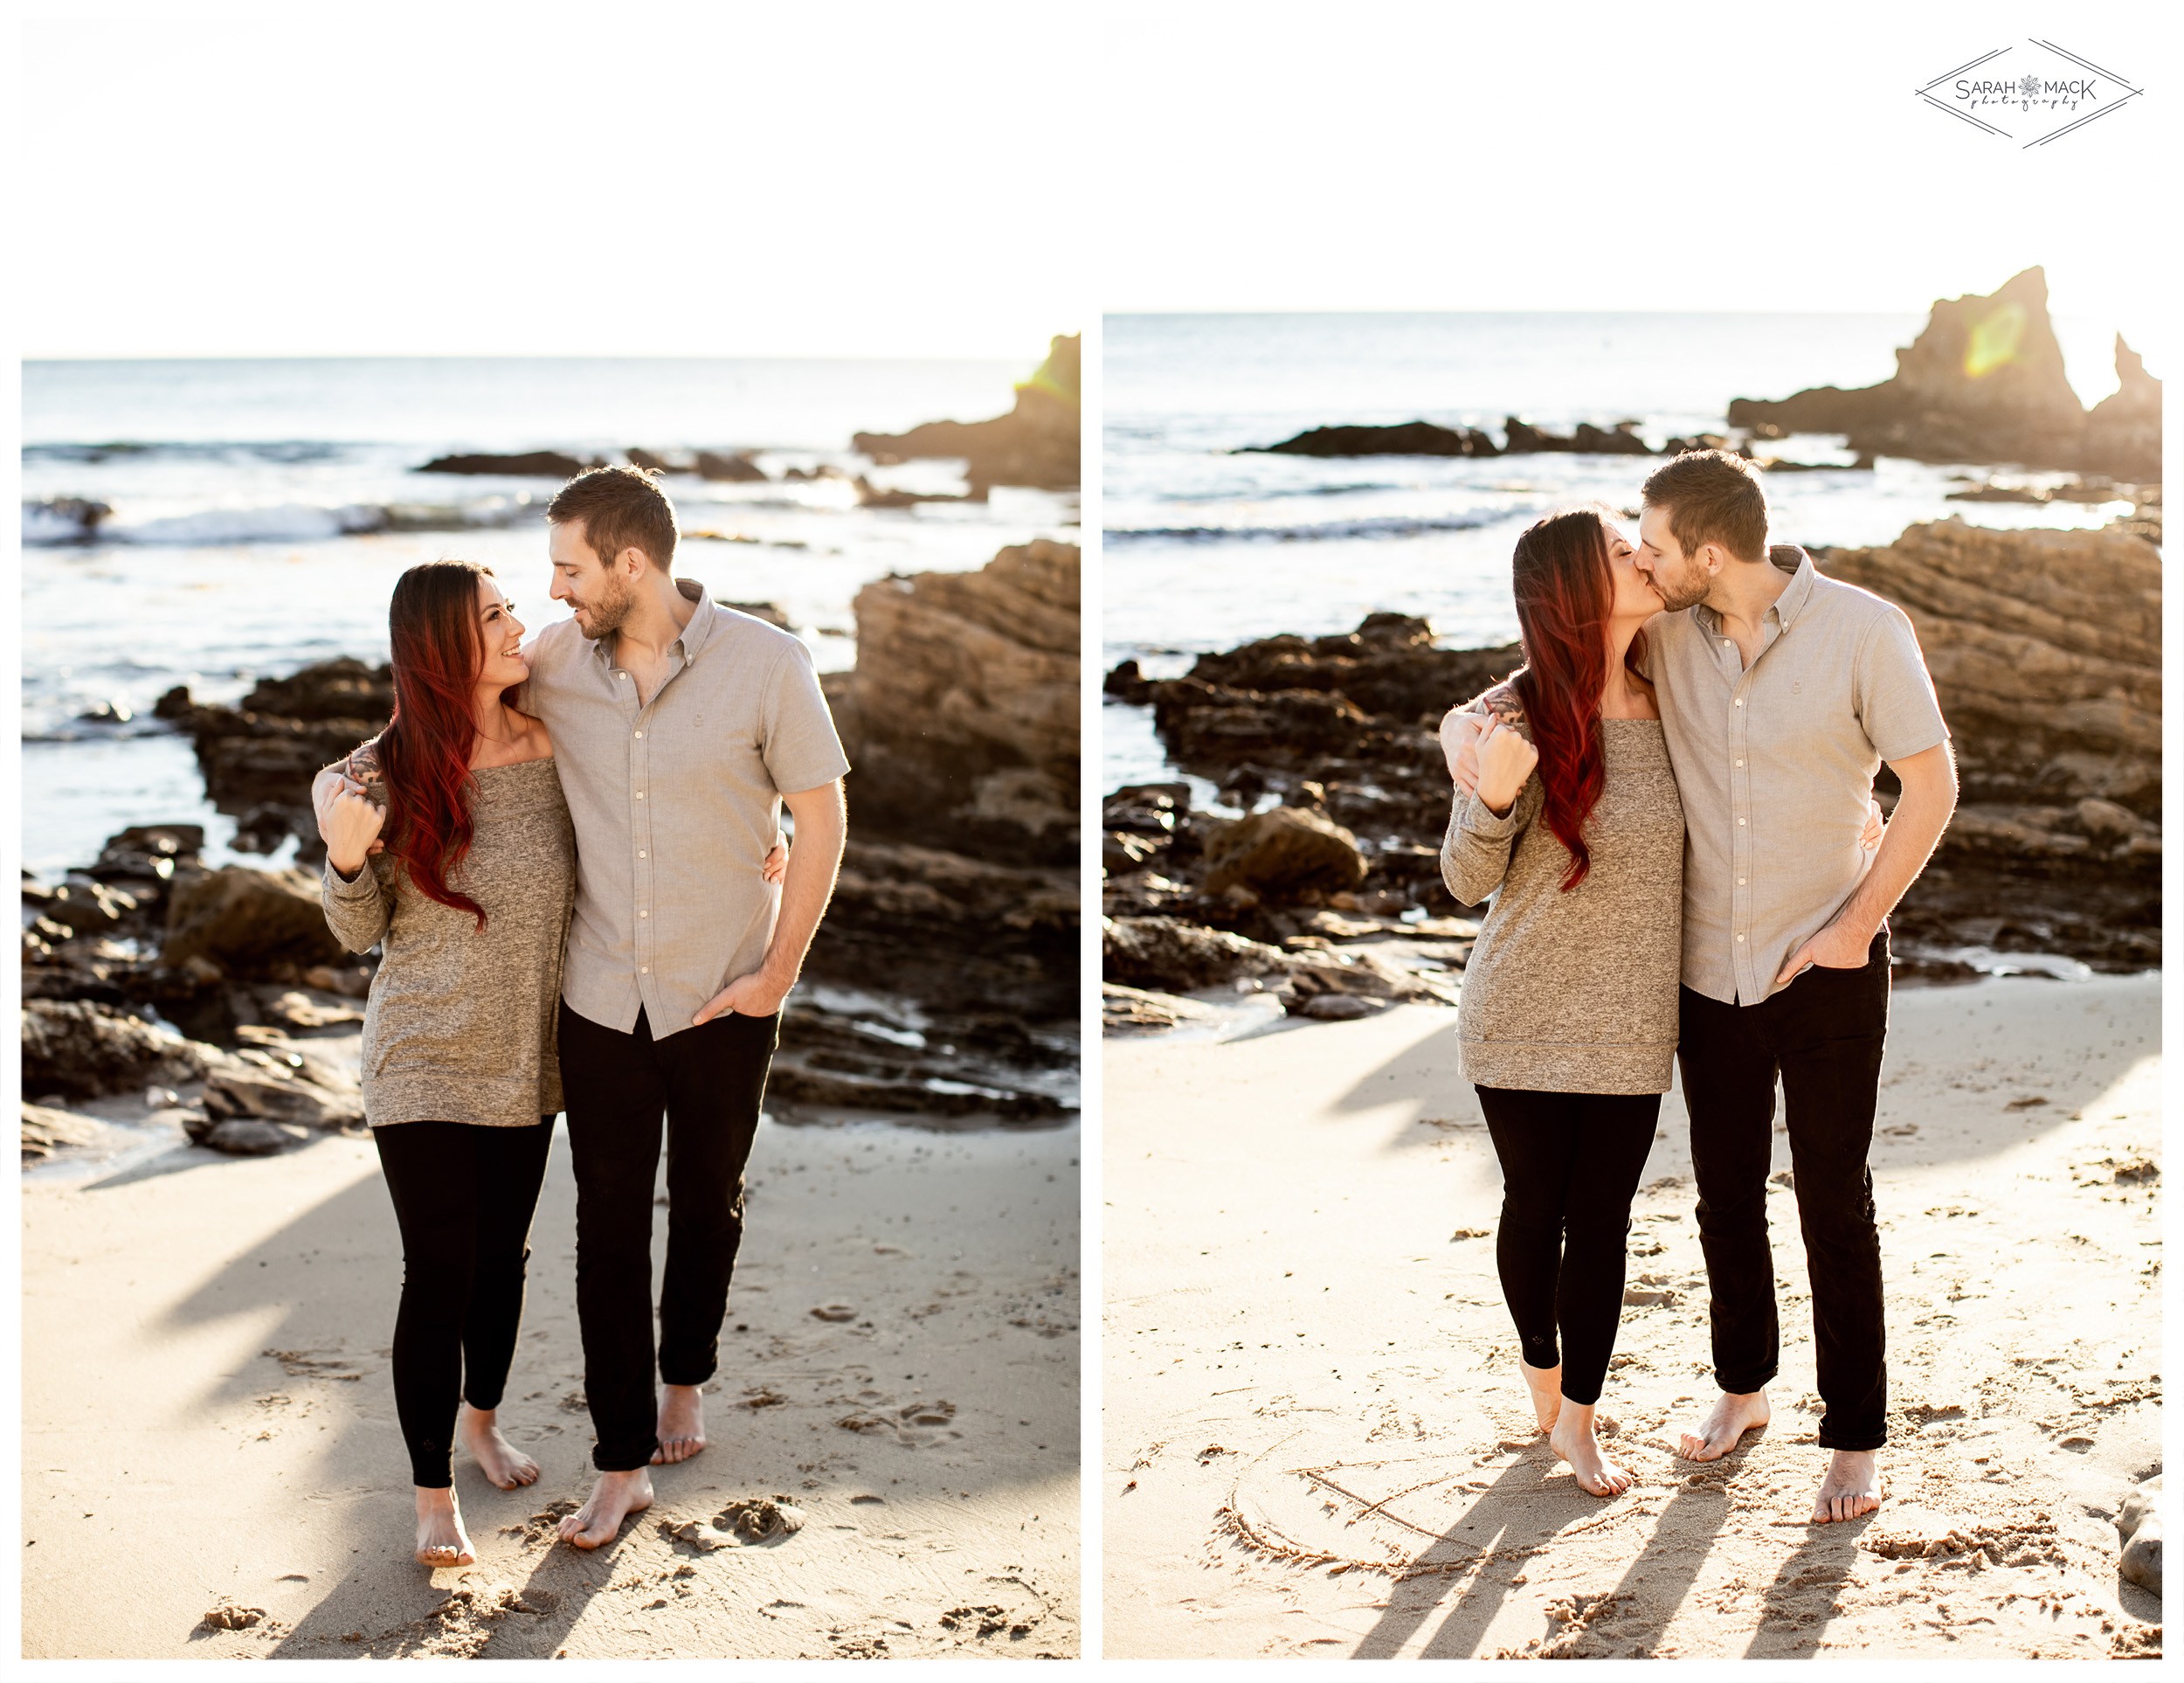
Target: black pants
pixel 1570 1165
pixel 1823 1035
pixel 710 1081
pixel 463 1197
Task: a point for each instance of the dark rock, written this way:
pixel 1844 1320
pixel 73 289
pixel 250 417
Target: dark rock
pixel 248 922
pixel 46 1131
pixel 1038 442
pixel 107 712
pixel 64 519
pixel 738 470
pixel 772 613
pixel 530 464
pixel 1338 1008
pixel 872 496
pixel 79 1050
pixel 1282 852
pixel 1417 438
pixel 1177 958
pixel 1127 683
pixel 87 908
pixel 258 758
pixel 250 1139
pixel 254 1084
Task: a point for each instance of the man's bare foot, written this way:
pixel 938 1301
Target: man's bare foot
pixel 441 1540
pixel 1545 1386
pixel 613 1499
pixel 1735 1415
pixel 1573 1439
pixel 1852 1487
pixel 504 1464
pixel 681 1424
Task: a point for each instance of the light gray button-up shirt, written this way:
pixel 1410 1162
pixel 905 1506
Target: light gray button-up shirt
pixel 675 804
pixel 1775 764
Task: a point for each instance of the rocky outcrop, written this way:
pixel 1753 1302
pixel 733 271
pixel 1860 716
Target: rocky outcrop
pixel 2122 431
pixel 736 469
pixel 1983 383
pixel 1281 854
pixel 962 717
pixel 1038 442
pixel 2045 648
pixel 527 464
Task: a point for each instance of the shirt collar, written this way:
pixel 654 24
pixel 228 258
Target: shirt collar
pixel 694 635
pixel 1804 578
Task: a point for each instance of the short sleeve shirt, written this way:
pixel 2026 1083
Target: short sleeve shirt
pixel 675 803
pixel 1775 763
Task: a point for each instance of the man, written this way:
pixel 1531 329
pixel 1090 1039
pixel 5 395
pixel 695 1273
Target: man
pixel 1781 693
pixel 682 729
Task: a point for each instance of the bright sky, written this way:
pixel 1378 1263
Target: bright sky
pixel 956 178
pixel 486 179
pixel 1619 156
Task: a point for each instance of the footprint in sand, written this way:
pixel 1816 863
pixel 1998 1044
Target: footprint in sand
pixel 834 1311
pixel 915 1425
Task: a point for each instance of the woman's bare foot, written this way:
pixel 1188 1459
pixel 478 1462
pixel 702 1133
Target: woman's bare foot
pixel 1852 1487
pixel 1735 1415
pixel 477 1431
pixel 681 1424
pixel 613 1499
pixel 441 1540
pixel 1573 1441
pixel 1545 1386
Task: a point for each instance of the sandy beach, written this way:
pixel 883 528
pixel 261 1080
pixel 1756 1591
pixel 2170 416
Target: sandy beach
pixel 1316 1442
pixel 228 1322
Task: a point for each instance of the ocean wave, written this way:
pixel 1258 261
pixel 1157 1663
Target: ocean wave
pixel 282 450
pixel 75 520
pixel 1369 527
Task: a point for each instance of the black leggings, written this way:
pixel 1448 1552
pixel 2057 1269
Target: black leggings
pixel 463 1196
pixel 1570 1165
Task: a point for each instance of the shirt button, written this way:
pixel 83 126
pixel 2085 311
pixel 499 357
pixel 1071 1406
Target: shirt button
pixel 640 853
pixel 1741 820
pixel 1740 882
pixel 1740 701
pixel 640 794
pixel 644 914
pixel 640 736
pixel 646 970
pixel 1740 937
pixel 1740 762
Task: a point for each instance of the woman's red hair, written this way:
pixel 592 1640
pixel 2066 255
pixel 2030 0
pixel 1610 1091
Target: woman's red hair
pixel 1564 586
pixel 424 753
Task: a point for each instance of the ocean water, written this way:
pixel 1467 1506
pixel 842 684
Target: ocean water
pixel 263 509
pixel 1204 548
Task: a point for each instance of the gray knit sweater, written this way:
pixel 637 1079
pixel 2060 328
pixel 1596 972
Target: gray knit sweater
pixel 1574 993
pixel 460 1026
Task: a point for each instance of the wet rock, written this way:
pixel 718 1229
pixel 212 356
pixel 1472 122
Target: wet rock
pixel 529 464
pixel 2138 1529
pixel 961 716
pixel 1038 442
pixel 148 854
pixel 62 520
pixel 88 907
pixel 1417 438
pixel 253 1086
pixel 248 922
pixel 875 496
pixel 80 1050
pixel 258 758
pixel 772 612
pixel 1337 1007
pixel 1136 1008
pixel 1283 853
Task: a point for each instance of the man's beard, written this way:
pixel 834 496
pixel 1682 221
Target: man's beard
pixel 604 618
pixel 1689 592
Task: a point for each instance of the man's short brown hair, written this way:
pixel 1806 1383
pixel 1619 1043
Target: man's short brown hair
pixel 1711 496
pixel 619 509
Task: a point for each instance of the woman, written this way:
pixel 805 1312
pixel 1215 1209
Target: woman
pixel 470 896
pixel 1567 1021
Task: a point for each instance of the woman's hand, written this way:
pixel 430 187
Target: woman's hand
pixel 777 865
pixel 348 824
pixel 1505 760
pixel 1871 840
